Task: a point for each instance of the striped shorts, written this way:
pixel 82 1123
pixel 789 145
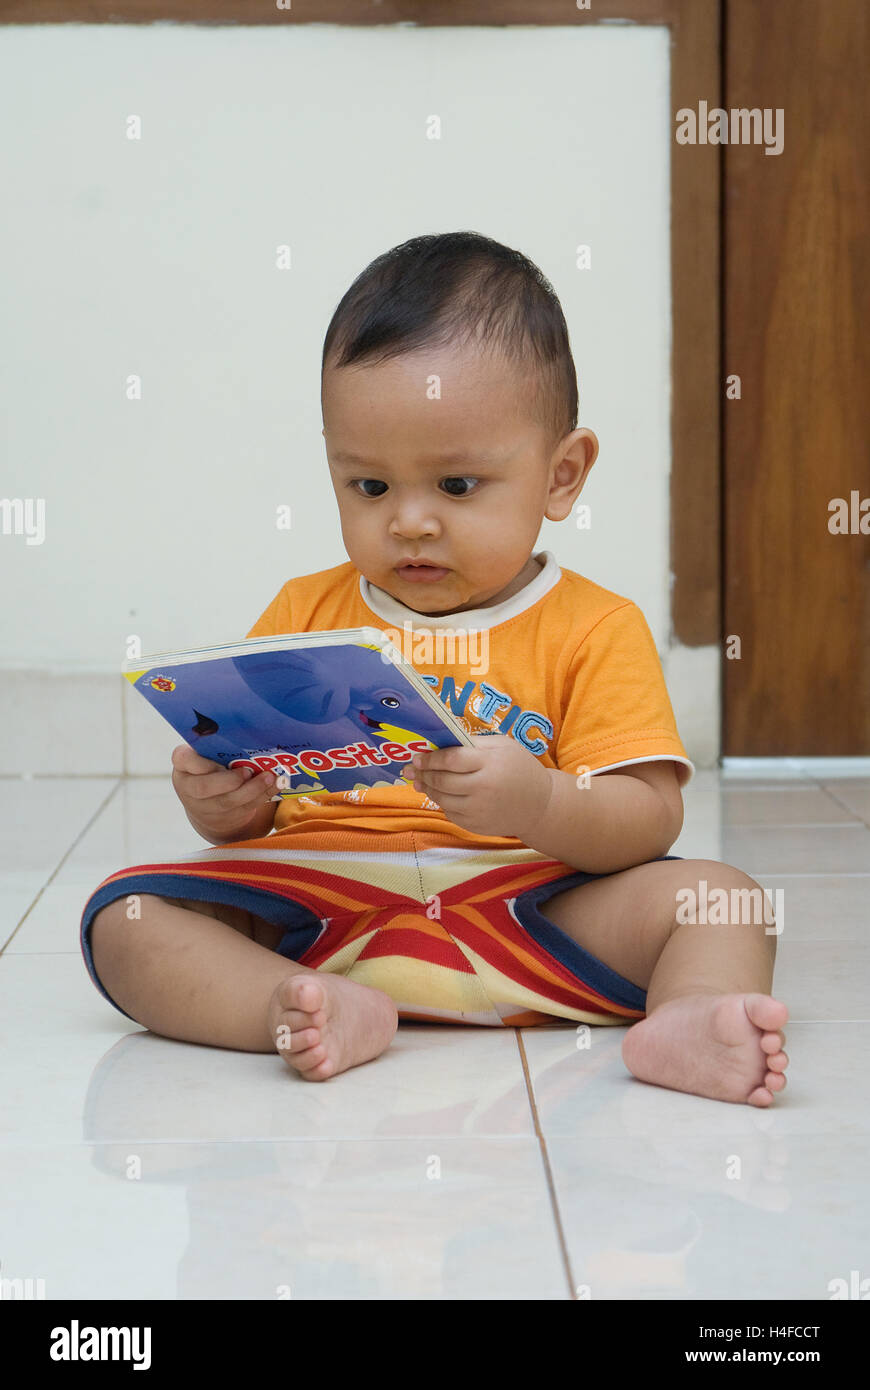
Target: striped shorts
pixel 453 934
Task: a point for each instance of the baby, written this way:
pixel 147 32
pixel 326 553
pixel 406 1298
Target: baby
pixel 450 422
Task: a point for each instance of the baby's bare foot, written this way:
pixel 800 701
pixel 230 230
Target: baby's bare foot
pixel 726 1046
pixel 322 1023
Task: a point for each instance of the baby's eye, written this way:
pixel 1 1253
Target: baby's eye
pixel 460 480
pixel 376 481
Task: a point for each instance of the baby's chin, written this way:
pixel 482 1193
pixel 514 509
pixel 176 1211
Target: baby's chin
pixel 422 597
pixel 437 599
pixel 429 606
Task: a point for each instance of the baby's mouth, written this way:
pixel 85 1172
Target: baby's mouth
pixel 421 573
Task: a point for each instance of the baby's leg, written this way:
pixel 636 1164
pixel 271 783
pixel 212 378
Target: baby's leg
pixel 712 1027
pixel 206 973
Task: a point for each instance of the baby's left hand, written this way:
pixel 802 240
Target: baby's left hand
pixel 495 788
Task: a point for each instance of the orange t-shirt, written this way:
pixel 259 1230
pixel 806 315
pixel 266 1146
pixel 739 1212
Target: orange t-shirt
pixel 566 667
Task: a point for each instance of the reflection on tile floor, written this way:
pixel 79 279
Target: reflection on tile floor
pixel 463 1163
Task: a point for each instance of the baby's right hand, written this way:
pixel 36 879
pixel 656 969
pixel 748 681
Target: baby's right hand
pixel 222 799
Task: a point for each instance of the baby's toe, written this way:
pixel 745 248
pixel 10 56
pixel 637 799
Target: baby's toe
pixel 306 993
pixel 321 1070
pixel 314 1064
pixel 766 1013
pixel 302 993
pixel 761 1097
pixel 299 1039
pixel 297 1019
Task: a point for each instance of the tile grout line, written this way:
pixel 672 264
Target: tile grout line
pixel 14 1145
pixel 80 776
pixel 822 873
pixel 55 871
pixel 551 1186
pixel 821 783
pixel 835 798
pixel 795 824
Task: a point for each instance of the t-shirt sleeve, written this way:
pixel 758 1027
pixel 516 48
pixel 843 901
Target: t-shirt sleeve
pixel 276 618
pixel 615 705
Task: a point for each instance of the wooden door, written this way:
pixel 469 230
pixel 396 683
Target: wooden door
pixel 797 333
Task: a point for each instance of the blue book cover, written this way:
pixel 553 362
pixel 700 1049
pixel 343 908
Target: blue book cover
pixel 324 711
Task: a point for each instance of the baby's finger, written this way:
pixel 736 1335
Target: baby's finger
pixel 454 762
pixel 222 783
pixel 186 759
pixel 251 791
pixel 454 783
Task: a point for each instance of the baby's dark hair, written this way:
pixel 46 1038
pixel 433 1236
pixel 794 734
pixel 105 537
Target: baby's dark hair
pixel 453 287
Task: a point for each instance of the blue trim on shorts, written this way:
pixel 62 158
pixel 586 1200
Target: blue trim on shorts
pixel 588 969
pixel 303 926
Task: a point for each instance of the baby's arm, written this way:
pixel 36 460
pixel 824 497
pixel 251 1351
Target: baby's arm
pixel 620 819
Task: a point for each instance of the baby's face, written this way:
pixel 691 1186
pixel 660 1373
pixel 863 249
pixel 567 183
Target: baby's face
pixel 461 481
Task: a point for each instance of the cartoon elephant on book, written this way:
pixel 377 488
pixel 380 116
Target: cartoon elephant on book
pixel 347 693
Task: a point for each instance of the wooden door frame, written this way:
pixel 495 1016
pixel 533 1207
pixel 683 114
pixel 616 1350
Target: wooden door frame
pixel 696 74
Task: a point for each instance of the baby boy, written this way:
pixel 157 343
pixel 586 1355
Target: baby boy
pixel 450 423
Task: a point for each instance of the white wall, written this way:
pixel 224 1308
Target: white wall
pixel 157 257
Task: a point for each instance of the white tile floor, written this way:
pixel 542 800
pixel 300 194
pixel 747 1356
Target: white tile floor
pixel 463 1163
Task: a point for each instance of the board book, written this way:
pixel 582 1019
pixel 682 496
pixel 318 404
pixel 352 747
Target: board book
pixel 324 711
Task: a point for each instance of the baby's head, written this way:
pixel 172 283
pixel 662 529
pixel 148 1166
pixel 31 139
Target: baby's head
pixel 449 399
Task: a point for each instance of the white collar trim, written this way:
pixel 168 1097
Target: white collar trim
pixel 482 619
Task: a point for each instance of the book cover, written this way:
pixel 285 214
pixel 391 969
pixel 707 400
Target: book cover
pixel 326 712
